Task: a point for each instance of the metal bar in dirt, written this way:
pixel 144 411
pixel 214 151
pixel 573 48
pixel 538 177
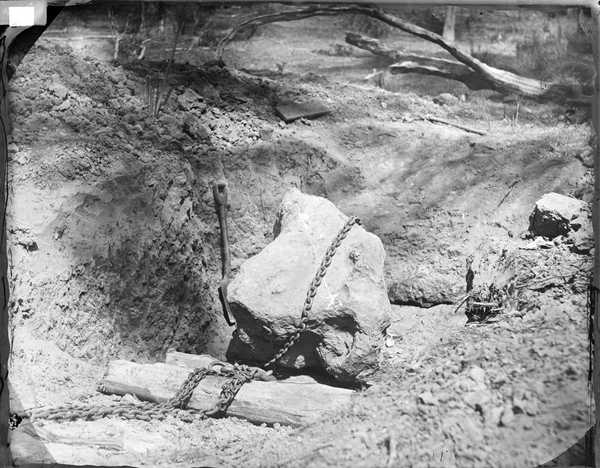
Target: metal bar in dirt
pixel 220 196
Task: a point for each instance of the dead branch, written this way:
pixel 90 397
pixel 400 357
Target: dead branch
pixel 438 120
pixel 414 63
pixel 454 124
pixel 499 80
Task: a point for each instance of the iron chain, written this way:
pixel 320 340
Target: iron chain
pixel 313 288
pixel 176 406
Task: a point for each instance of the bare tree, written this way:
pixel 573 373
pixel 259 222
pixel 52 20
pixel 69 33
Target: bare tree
pixel 450 24
pixel 118 30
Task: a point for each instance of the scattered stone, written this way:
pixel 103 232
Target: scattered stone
pixel 539 243
pixel 195 129
pixel 477 374
pixel 427 398
pixel 59 90
pixel 191 101
pixel 210 92
pixel 556 215
pixel 586 157
pixel 28 244
pixel 477 399
pixel 508 417
pixel 582 240
pixel 525 403
pixel 266 133
pixel 571 370
pixel 445 99
pixel 471 429
pixel 351 309
pixel 493 416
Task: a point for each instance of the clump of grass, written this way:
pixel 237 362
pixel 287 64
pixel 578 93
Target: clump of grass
pixel 494 291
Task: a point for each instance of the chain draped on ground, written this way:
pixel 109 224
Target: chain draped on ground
pixel 177 406
pixel 237 374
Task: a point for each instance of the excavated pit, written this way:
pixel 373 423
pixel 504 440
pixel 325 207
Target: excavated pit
pixel 114 246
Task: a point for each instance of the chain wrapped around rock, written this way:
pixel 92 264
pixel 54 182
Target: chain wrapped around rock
pixel 314 286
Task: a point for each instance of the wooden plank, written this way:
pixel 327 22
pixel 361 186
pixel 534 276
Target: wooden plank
pixel 297 110
pixel 294 401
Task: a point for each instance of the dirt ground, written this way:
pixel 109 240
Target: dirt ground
pixel 114 246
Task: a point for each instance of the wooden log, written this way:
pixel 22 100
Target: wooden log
pixel 377 47
pixel 206 361
pixel 294 401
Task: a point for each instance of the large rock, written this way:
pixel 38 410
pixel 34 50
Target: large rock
pixel 555 215
pixel 352 306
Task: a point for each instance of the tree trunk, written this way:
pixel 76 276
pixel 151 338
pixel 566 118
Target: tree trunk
pixel 450 25
pixel 117 46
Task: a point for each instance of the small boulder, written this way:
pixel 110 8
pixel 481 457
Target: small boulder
pixel 507 417
pixel 59 90
pixel 556 215
pixel 350 311
pixel 195 129
pixel 581 241
pixel 427 398
pixel 189 100
pixel 586 157
pixel 446 99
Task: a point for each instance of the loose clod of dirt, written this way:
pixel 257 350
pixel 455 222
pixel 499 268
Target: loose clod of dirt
pixel 114 247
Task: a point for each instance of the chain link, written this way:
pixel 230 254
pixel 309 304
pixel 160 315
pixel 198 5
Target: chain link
pixel 313 288
pixel 176 406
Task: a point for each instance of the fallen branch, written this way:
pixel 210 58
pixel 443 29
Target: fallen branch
pixel 432 119
pixel 294 401
pixel 414 63
pixel 496 79
pixel 508 192
pixel 454 124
